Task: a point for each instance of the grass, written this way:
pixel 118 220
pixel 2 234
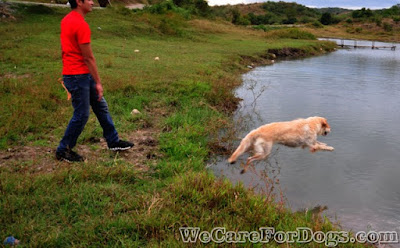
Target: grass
pixel 186 96
pixel 357 30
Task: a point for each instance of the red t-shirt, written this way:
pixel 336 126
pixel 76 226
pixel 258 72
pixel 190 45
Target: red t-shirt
pixel 74 31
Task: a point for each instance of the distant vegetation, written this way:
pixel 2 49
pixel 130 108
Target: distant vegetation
pixel 260 15
pixel 292 13
pixel 263 15
pixel 267 13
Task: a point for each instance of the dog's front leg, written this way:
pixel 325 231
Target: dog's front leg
pixel 250 161
pixel 321 146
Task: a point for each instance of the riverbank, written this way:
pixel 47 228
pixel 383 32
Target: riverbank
pixel 343 32
pixel 143 196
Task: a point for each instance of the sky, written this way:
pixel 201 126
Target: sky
pixel 348 4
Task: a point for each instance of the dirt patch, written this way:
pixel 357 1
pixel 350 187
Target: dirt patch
pixel 6 12
pixel 288 52
pixel 27 158
pixel 253 61
pixel 35 159
pixel 14 76
pixel 135 6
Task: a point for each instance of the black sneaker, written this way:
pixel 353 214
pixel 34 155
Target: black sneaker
pixel 120 145
pixel 69 156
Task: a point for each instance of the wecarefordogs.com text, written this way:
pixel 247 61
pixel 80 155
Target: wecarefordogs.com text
pixel 301 235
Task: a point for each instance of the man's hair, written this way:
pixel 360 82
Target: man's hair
pixel 73 3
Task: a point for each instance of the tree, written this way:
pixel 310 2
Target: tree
pixel 326 18
pixel 199 7
pixel 362 13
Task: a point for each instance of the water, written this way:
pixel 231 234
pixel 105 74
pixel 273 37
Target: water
pixel 358 91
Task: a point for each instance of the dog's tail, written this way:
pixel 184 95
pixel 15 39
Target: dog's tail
pixel 244 146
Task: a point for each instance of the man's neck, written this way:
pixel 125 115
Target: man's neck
pixel 80 11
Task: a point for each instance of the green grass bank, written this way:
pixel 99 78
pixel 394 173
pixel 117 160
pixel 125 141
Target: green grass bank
pixel 142 198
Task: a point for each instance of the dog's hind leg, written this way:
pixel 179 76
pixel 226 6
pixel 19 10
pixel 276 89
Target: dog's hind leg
pixel 262 150
pixel 243 147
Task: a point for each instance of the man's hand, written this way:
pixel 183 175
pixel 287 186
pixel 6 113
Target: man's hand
pixel 99 89
pixel 90 61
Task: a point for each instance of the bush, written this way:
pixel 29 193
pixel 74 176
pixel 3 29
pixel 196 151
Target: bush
pixel 306 19
pixel 290 20
pixel 294 33
pixel 39 9
pixel 378 22
pixel 363 13
pixel 266 28
pixel 317 24
pixel 169 6
pixel 123 11
pixel 197 7
pixel 387 27
pixel 162 8
pixel 326 18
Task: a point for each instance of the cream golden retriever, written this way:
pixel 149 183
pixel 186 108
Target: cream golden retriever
pixel 297 133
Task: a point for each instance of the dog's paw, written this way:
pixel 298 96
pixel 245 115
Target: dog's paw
pixel 329 148
pixel 231 161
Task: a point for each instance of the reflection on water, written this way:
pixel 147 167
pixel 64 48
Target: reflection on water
pixel 358 91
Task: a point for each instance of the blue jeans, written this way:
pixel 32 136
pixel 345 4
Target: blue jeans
pixel 84 94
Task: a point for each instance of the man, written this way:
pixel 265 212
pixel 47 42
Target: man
pixel 81 78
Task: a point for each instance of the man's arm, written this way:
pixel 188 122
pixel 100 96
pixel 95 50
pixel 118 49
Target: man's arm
pixel 90 61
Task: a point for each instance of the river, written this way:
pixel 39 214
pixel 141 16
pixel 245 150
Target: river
pixel 358 91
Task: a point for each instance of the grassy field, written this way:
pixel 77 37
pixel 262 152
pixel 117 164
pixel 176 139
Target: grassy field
pixel 358 31
pixel 141 197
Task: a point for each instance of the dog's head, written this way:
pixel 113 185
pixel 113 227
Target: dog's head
pixel 321 125
pixel 325 128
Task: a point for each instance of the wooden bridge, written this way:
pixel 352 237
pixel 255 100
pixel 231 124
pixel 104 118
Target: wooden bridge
pixel 372 46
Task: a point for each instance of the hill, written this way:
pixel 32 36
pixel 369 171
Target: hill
pixel 333 11
pixel 268 13
pixel 381 24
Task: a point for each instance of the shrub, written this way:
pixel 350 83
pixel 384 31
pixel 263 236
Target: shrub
pixel 294 33
pixel 266 28
pixel 306 19
pixel 123 11
pixel 198 7
pixel 290 20
pixel 162 8
pixel 326 18
pixel 378 22
pixel 363 13
pixel 317 24
pixel 39 9
pixel 387 27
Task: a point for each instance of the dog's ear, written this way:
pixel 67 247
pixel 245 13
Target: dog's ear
pixel 324 123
